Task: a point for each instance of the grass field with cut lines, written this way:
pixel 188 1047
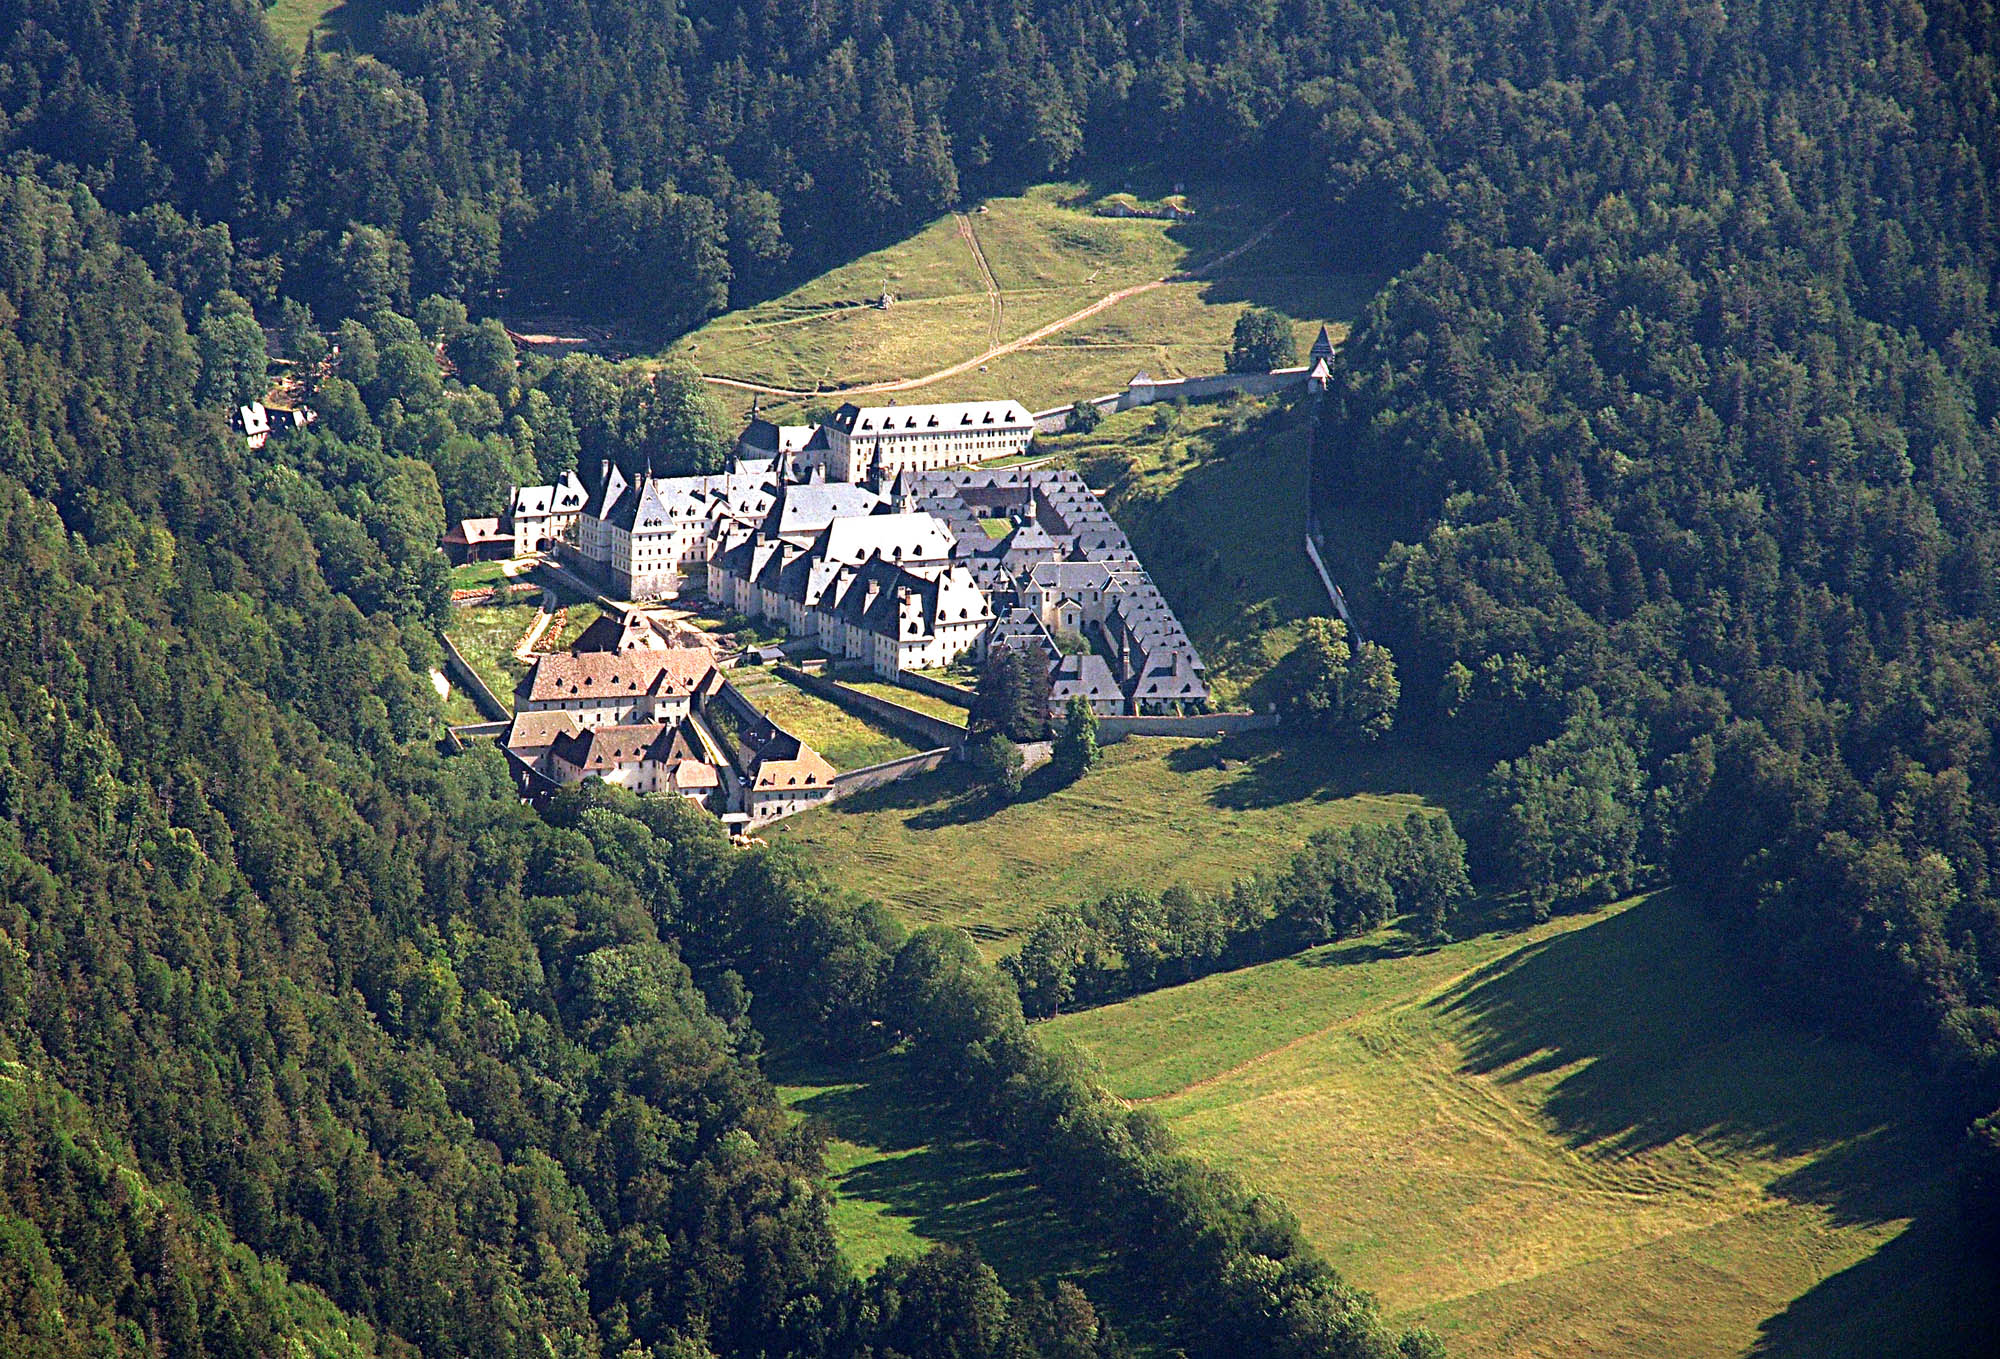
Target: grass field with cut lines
pixel 1591 1138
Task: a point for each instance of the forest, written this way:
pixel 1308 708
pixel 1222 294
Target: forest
pixel 1683 398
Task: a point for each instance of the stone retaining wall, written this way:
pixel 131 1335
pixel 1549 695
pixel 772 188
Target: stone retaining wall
pixel 1056 419
pixel 486 700
pixel 931 731
pixel 875 775
pixel 1113 729
pixel 923 684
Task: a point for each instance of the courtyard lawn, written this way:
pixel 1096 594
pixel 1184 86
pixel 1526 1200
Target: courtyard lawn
pixel 473 575
pixel 486 635
pixel 1213 497
pixel 576 618
pixel 1591 1138
pixel 846 740
pixel 909 698
pixel 938 848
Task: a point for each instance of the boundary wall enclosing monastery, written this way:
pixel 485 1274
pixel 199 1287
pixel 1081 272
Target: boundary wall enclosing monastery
pixel 924 684
pixel 877 775
pixel 1111 729
pixel 1056 420
pixel 484 698
pixel 932 731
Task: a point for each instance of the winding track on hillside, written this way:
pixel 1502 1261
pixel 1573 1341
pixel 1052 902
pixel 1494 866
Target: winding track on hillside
pixel 1055 327
pixel 996 305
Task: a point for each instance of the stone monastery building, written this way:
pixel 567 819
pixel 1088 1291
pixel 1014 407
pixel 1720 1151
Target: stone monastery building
pixel 866 535
pixel 888 441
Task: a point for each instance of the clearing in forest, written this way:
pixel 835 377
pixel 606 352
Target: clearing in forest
pixel 1590 1138
pixel 901 1185
pixel 1031 297
pixel 937 848
pixel 353 22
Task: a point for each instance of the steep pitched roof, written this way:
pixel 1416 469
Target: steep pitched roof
pixel 607 633
pixel 538 731
pixel 951 417
pixel 613 674
pixel 803 509
pixel 1083 676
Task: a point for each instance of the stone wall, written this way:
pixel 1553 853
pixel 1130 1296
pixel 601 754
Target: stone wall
pixel 487 701
pixel 1112 729
pixel 875 775
pixel 1056 419
pixel 923 684
pixel 931 731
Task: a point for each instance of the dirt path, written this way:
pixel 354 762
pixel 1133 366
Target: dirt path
pixel 525 650
pixel 997 306
pixel 1032 337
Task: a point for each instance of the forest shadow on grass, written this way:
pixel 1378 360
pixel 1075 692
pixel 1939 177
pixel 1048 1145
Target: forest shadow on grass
pixel 1652 1032
pixel 1922 1292
pixel 957 1190
pixel 1274 768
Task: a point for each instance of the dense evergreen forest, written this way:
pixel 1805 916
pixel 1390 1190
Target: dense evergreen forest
pixel 1690 423
pixel 1683 401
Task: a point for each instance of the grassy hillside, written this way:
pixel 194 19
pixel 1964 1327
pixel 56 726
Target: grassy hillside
pixel 352 22
pixel 899 1188
pixel 1157 811
pixel 970 282
pixel 1589 1139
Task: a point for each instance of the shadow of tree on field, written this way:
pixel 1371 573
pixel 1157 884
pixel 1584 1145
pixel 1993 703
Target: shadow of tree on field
pixel 1920 1293
pixel 949 1189
pixel 1652 1033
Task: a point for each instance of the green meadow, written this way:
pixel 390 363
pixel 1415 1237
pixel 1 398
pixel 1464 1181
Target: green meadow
pixel 1589 1138
pixel 1046 257
pixel 847 740
pixel 938 848
pixel 486 635
pixel 354 22
pixel 901 1183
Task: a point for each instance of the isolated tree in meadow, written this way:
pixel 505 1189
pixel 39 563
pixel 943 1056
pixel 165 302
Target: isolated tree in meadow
pixel 1263 340
pixel 1076 747
pixel 998 764
pixel 1013 693
pixel 1084 416
pixel 1313 679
